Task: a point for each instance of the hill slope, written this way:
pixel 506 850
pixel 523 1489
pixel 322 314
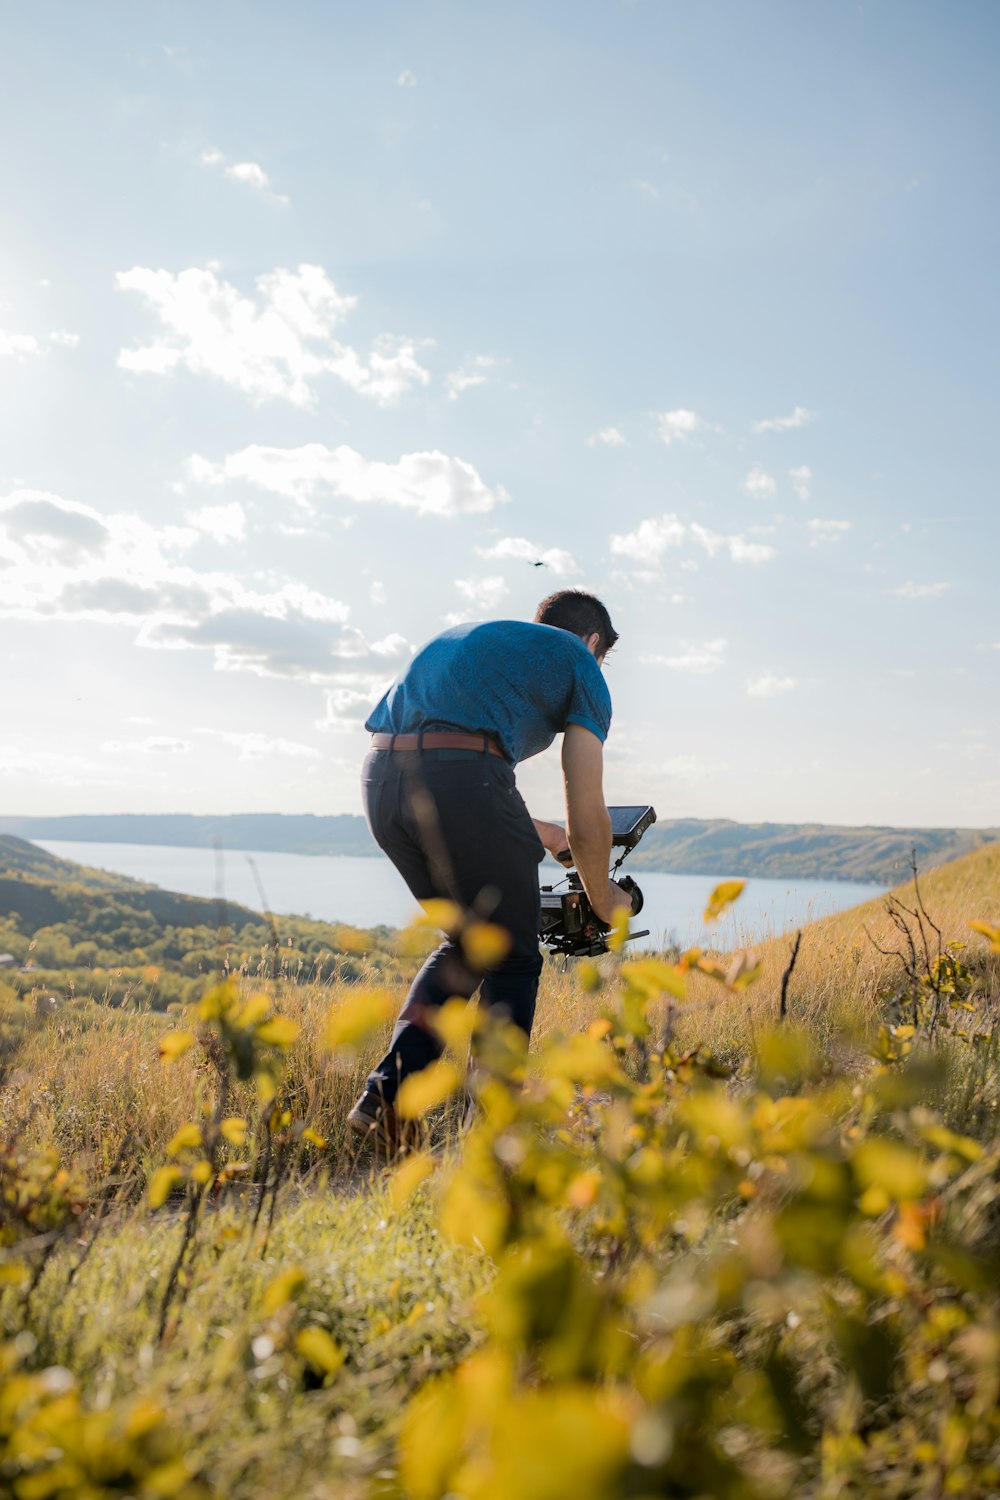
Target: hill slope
pixel 841 981
pixel 44 890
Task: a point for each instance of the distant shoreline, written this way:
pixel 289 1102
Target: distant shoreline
pixel 683 846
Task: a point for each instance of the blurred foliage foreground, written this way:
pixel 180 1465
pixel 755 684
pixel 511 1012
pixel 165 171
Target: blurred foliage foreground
pixel 635 1273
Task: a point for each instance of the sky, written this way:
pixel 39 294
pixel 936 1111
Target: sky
pixel 322 326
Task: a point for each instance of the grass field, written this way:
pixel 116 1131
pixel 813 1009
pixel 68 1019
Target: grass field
pixel 693 1251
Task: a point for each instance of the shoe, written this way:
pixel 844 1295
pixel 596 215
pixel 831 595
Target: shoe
pixel 375 1119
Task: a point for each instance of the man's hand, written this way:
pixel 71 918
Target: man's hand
pixel 553 836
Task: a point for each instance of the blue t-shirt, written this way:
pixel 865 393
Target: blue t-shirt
pixel 520 683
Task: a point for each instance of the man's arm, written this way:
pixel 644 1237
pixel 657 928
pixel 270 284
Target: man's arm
pixel 588 825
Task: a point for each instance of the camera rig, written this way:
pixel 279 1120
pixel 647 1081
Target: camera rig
pixel 569 924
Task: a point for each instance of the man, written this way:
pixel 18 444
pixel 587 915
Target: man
pixel 440 799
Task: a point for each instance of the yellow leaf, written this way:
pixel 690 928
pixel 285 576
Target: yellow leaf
pixel 314 1138
pixel 219 1001
pixel 162 1184
pixel 422 1091
pixel 485 945
pixel 446 915
pixel 351 940
pixel 582 1191
pixel 254 1011
pixel 600 1028
pixel 357 1017
pixel 991 934
pixel 408 1176
pixel 318 1348
pixel 654 977
pixel 168 1480
pixel 890 1165
pixel 266 1088
pixel 143 1417
pixel 286 1285
pixel 278 1032
pixel 911 1225
pixel 455 1021
pixel 174 1044
pixel 724 895
pixel 588 976
pixel 14 1272
pixel 235 1130
pixel 201 1172
pixel 713 1114
pixel 619 929
pixel 188 1138
pixel 581 1059
pixel 474 1214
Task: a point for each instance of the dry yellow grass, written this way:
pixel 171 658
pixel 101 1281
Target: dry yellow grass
pixel 840 975
pixel 88 1078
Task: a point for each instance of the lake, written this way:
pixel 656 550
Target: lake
pixel 367 891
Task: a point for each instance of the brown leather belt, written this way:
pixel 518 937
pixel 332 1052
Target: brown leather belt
pixel 437 739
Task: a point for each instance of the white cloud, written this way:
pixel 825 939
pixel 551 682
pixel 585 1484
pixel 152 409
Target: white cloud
pixel 348 706
pixel 650 539
pixel 801 478
pixel 223 523
pixel 27 346
pixel 470 373
pixel 799 417
pixel 407 79
pixel 274 347
pixel 770 686
pixel 519 549
pixel 826 531
pixel 377 593
pixel 18 344
pixel 699 660
pixel 609 437
pixel 256 746
pixel 759 484
pixel 56 768
pixel 678 425
pixel 62 561
pixel 270 636
pixel 738 548
pixel 154 744
pixel 922 590
pixel 248 173
pixel 742 551
pixel 40 526
pixel 646 189
pixel 432 484
pixel 484 593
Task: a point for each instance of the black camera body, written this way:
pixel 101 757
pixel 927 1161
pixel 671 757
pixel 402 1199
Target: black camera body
pixel 569 924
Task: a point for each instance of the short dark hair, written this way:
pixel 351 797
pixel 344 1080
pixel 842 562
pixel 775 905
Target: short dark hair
pixel 580 613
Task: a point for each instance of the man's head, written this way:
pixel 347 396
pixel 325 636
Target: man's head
pixel 582 615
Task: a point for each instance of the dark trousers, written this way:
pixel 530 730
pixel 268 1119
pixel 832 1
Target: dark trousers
pixel 455 826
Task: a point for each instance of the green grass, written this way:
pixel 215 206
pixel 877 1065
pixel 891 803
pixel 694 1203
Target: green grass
pixel 397 1298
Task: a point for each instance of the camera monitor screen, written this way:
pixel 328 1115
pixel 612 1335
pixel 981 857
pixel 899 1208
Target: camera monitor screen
pixel 628 824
